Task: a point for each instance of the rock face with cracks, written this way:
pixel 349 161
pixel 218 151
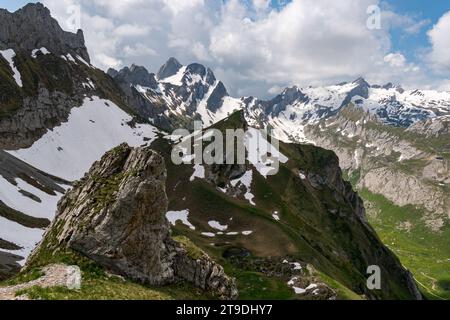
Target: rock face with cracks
pixel 116 216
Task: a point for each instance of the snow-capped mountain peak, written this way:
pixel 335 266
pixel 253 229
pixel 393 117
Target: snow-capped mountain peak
pixel 135 75
pixel 192 91
pixel 169 69
pixel 178 95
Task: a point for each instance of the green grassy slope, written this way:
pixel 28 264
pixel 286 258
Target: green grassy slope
pixel 97 284
pixel 424 252
pixel 317 226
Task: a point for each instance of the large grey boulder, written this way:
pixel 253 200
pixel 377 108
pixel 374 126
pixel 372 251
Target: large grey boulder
pixel 116 216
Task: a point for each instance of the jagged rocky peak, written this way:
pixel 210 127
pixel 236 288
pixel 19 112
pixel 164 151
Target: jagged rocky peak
pixel 113 73
pixel 389 86
pixel 196 68
pixel 38 93
pixel 202 71
pixel 292 93
pixel 116 216
pixel 33 27
pixel 194 71
pixel 170 68
pixel 135 75
pixel 215 100
pixel 361 89
pixel 287 97
pixel 210 77
pixel 361 82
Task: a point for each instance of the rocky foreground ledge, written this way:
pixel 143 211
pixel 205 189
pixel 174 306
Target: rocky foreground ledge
pixel 115 216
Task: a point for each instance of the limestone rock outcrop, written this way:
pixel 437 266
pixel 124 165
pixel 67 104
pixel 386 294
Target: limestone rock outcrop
pixel 32 27
pixel 116 216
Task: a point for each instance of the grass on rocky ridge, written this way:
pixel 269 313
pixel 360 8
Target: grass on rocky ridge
pixel 97 284
pixel 301 231
pixel 114 288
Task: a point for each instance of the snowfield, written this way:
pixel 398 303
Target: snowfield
pixel 216 225
pixel 259 150
pixel 42 50
pixel 199 172
pixel 177 78
pixel 183 216
pixel 10 195
pixel 68 151
pixel 11 231
pixel 245 180
pixel 24 237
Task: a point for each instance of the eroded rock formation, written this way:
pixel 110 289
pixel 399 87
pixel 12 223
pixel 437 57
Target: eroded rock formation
pixel 116 216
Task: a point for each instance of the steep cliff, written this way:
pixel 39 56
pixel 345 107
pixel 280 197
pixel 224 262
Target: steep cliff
pixel 44 73
pixel 407 166
pixel 32 27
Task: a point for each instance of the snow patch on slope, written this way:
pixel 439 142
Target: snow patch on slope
pixel 44 208
pixel 176 79
pixel 68 151
pixel 261 153
pixel 84 62
pixel 246 180
pixel 217 225
pixel 42 50
pixel 276 216
pixel 183 216
pixel 11 196
pixel 22 236
pixel 9 55
pixel 199 172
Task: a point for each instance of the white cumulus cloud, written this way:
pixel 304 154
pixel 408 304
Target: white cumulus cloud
pixel 253 47
pixel 395 59
pixel 439 37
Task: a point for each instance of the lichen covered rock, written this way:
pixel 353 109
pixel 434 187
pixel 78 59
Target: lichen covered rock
pixel 116 216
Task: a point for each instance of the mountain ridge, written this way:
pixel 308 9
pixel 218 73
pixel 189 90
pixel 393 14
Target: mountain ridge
pixel 299 207
pixel 32 27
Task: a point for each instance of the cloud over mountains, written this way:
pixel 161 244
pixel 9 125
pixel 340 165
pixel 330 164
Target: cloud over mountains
pixel 253 46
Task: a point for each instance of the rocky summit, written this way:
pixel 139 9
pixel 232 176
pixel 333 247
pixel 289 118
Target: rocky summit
pixel 115 216
pixel 32 27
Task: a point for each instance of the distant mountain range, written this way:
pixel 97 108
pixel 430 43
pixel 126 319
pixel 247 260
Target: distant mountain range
pixel 193 91
pixel 59 115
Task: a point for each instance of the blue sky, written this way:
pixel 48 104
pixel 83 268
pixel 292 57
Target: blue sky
pixel 407 44
pixel 301 42
pixel 13 5
pixel 410 45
